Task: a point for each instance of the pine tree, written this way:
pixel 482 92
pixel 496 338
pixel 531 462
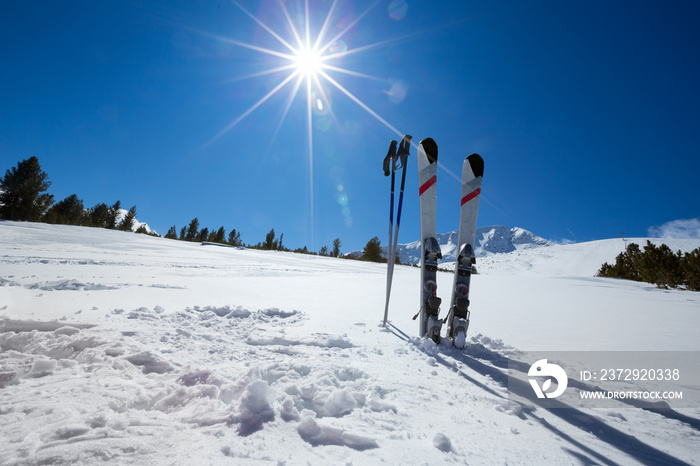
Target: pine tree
pixel 627 265
pixel 220 236
pixel 203 235
pixel 671 271
pixel 606 270
pixel 630 263
pixel 336 248
pixel 648 263
pixel 113 215
pixel 323 251
pixel 22 187
pixel 234 238
pixel 98 215
pixel 69 211
pixel 172 233
pixel 270 242
pixel 192 230
pixel 659 265
pixel 691 269
pixel 372 251
pixel 183 234
pixel 127 223
pixel 656 264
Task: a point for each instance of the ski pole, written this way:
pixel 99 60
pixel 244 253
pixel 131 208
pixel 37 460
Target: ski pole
pixel 389 168
pixel 402 158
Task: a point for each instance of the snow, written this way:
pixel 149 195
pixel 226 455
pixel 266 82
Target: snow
pixel 133 349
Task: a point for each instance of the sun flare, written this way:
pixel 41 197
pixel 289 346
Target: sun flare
pixel 308 62
pixel 308 65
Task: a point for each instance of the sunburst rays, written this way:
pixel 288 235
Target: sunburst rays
pixel 303 62
pixel 308 60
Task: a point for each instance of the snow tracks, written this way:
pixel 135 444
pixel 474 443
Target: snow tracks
pixel 210 376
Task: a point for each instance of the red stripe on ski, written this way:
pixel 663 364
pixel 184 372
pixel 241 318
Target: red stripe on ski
pixel 471 195
pixel 427 185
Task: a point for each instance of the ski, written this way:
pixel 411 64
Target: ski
pixel 393 161
pixel 458 316
pixel 430 325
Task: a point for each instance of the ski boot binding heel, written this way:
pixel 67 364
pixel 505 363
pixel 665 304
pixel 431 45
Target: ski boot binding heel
pixel 460 322
pixel 432 308
pixel 459 331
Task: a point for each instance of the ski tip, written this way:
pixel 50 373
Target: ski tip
pixel 477 165
pixel 431 149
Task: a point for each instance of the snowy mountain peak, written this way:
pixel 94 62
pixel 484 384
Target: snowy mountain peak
pixel 489 240
pixel 122 213
pixel 500 238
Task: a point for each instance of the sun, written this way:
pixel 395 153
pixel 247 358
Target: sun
pixel 308 62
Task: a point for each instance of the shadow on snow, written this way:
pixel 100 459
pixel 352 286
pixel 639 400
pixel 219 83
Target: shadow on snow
pixel 645 454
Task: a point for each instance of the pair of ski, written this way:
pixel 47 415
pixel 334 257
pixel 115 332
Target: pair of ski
pixel 458 315
pixel 472 175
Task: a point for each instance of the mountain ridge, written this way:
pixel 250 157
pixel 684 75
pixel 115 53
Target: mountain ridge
pixel 494 239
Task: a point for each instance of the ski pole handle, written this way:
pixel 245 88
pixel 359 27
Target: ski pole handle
pixel 389 159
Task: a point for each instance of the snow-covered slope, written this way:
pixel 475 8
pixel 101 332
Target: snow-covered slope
pixel 572 260
pixel 132 349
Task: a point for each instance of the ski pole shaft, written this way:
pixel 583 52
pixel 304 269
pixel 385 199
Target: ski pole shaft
pixel 390 270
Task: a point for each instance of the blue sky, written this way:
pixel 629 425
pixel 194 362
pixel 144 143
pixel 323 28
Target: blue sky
pixel 586 113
